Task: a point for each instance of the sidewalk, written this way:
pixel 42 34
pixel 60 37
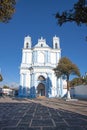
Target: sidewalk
pixel 77 106
pixel 26 114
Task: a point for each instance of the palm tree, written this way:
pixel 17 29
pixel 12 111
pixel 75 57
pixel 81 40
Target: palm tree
pixel 66 68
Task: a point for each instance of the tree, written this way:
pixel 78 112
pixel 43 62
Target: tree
pixel 85 81
pixel 66 68
pixel 78 14
pixel 7 9
pixel 76 81
pixel 1 78
pixel 6 87
pixel 79 81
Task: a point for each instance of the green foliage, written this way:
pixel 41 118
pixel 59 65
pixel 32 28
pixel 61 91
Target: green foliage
pixel 5 86
pixel 85 81
pixel 78 14
pixel 1 78
pixel 7 9
pixel 78 81
pixel 66 68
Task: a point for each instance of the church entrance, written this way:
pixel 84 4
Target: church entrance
pixel 41 90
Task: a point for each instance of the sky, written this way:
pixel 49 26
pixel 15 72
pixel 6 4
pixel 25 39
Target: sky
pixel 36 18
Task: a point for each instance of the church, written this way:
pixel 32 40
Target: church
pixel 37 77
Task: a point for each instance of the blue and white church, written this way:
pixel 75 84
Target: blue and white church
pixel 37 77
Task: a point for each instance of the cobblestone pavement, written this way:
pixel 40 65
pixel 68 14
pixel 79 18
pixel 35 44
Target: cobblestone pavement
pixel 42 114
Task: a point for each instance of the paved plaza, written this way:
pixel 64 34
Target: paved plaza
pixel 42 114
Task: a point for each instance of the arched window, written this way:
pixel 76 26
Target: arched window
pixel 56 46
pixel 41 45
pixel 27 44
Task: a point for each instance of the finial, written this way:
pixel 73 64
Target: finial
pixel 41 37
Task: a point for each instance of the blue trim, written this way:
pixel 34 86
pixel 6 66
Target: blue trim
pixel 34 56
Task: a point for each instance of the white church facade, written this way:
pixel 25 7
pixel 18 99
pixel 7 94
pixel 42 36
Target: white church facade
pixel 37 77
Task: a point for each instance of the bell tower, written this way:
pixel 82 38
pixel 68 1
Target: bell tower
pixel 56 43
pixel 27 42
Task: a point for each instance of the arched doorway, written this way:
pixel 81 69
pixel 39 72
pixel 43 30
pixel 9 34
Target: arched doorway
pixel 41 90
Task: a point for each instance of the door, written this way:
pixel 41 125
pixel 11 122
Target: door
pixel 41 90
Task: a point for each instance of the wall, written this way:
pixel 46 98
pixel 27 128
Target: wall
pixel 79 91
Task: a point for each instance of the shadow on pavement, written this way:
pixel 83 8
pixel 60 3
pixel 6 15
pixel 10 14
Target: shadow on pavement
pixel 34 116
